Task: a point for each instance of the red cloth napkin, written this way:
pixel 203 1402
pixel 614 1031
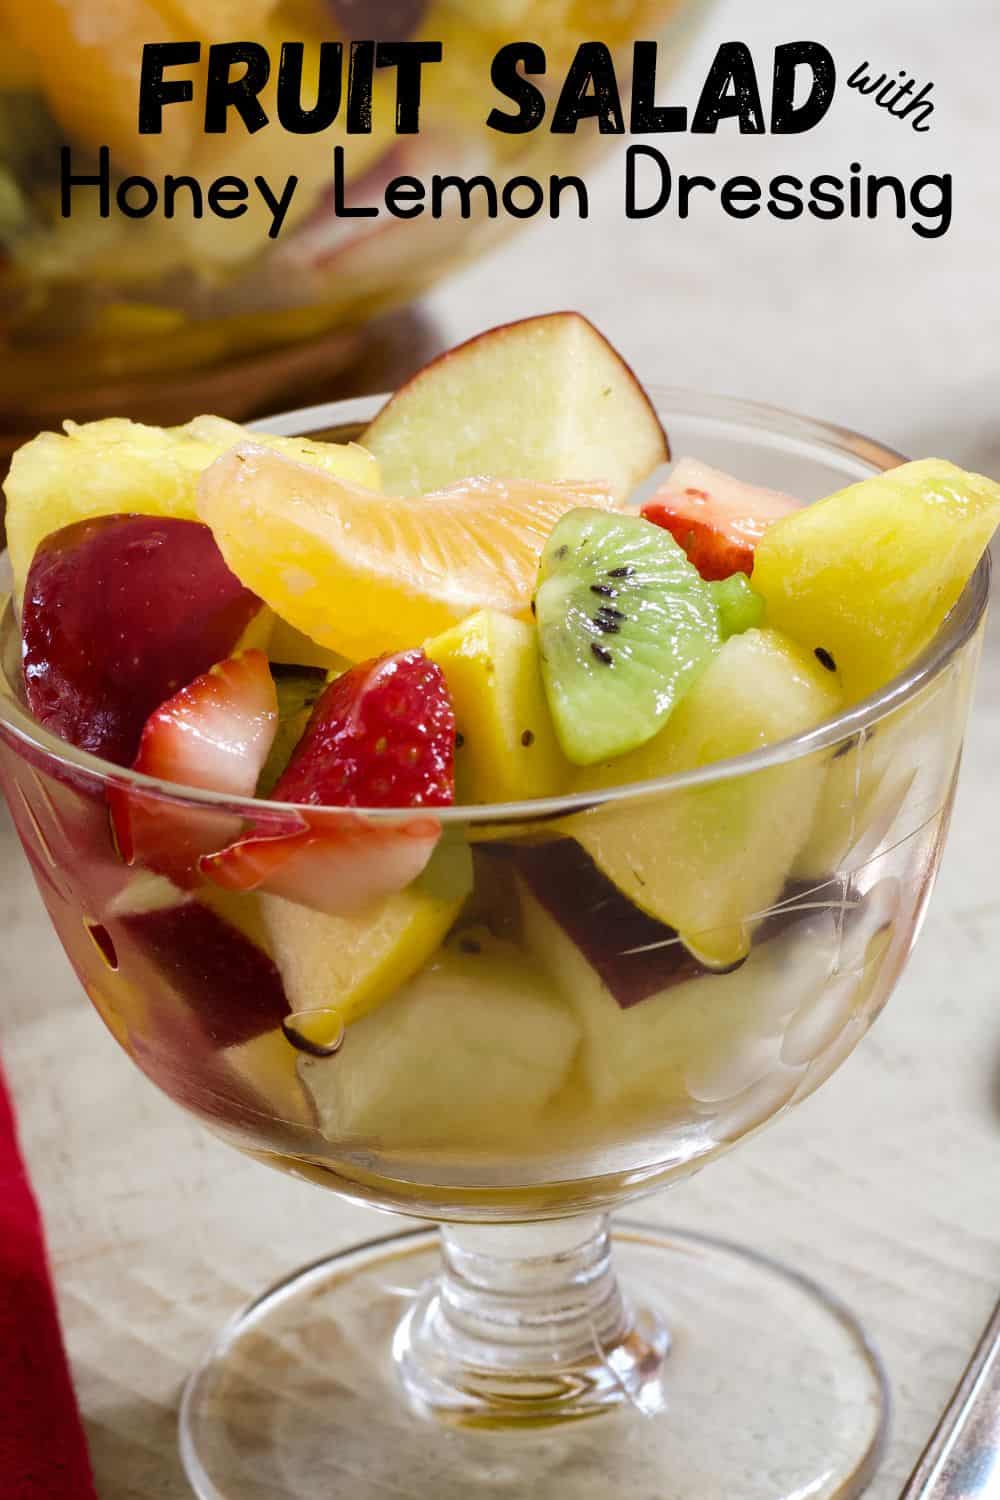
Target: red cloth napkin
pixel 43 1453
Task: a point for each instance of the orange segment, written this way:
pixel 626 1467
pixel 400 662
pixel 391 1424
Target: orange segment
pixel 362 573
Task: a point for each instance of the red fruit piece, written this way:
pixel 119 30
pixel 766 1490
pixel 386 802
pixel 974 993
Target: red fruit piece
pixel 718 520
pixel 120 612
pixel 635 955
pixel 228 985
pixel 382 735
pixel 215 733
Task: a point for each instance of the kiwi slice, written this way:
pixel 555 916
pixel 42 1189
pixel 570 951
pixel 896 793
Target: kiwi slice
pixel 740 608
pixel 626 625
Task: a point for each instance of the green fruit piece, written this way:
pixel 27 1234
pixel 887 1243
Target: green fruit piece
pixel 626 625
pixel 740 606
pixel 867 575
pixel 507 748
pixel 298 689
pixel 710 860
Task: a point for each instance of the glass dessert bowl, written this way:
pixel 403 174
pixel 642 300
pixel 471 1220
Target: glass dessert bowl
pixel 560 1054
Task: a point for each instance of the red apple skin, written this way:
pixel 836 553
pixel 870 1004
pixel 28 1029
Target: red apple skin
pixel 635 955
pixel 119 613
pixel 229 987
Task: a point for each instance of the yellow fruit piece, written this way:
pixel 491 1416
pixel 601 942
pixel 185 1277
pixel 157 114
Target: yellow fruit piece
pixel 290 647
pixel 268 1064
pixel 709 860
pixel 102 468
pixel 346 966
pixel 88 55
pixel 508 748
pixel 18 68
pixel 361 574
pixel 869 574
pixel 220 20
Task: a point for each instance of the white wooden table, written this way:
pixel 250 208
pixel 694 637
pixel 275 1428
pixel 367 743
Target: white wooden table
pixel 883 1185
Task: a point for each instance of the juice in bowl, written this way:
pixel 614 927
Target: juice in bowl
pixel 463 803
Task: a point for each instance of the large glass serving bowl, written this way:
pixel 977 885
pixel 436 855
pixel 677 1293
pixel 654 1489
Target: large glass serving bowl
pixel 507 1092
pixel 113 314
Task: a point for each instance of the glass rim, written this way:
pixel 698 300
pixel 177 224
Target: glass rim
pixel 955 631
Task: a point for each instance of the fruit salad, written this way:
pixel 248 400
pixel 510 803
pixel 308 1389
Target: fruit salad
pixel 494 798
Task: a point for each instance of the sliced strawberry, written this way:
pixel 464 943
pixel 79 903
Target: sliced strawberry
pixel 334 862
pixel 718 520
pixel 382 735
pixel 215 734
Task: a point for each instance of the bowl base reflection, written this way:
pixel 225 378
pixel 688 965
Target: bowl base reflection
pixel 768 1389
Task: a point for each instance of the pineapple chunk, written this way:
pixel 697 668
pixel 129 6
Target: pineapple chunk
pixel 289 647
pixel 111 466
pixel 508 749
pixel 708 860
pixel 869 574
pixel 346 966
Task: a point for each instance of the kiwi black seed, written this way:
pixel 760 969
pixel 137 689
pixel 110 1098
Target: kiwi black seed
pixel 825 659
pixel 656 627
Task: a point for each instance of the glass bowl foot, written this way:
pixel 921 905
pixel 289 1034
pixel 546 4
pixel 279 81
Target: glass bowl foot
pixel 331 1383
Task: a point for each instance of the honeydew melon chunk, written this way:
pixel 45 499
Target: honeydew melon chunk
pixel 709 860
pixel 467 1054
pixel 545 398
pixel 508 748
pixel 115 466
pixel 869 574
pixel 343 967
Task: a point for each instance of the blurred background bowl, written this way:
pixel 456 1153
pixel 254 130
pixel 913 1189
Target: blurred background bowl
pixel 157 318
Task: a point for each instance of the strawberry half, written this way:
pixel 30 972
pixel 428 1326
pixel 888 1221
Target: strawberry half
pixel 382 735
pixel 216 734
pixel 718 520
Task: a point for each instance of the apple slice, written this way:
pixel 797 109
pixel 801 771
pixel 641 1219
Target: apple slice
pixel 119 613
pixel 545 398
pixel 223 982
pixel 696 1043
pixel 718 520
pixel 633 954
